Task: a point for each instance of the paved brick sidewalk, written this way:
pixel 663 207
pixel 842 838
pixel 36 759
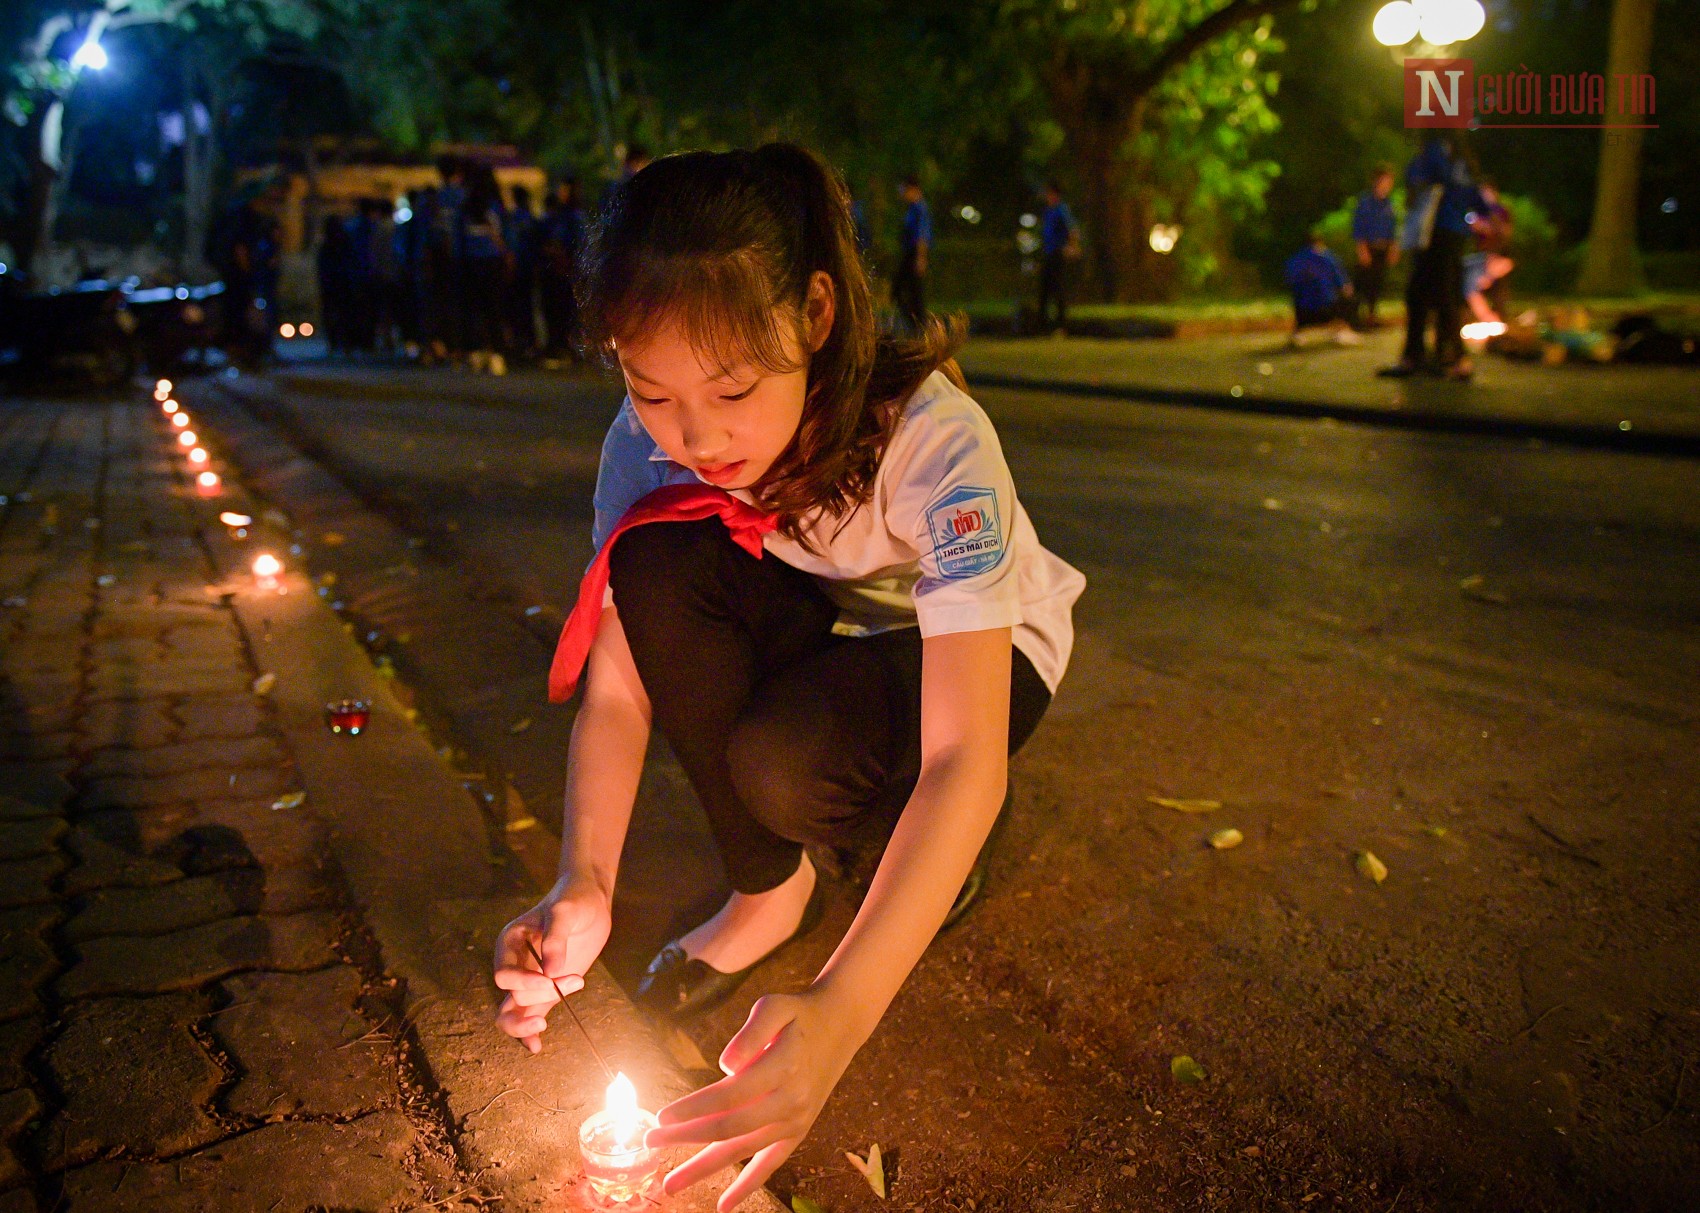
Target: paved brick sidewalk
pixel 191 1013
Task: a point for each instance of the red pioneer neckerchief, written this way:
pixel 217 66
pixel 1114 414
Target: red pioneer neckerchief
pixel 670 503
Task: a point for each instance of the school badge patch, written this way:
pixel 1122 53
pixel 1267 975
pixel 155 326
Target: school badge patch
pixel 967 534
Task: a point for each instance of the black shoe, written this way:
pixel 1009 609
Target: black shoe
pixel 677 986
pixel 971 888
pixel 1399 370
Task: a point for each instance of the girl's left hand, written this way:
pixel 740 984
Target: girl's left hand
pixel 780 1068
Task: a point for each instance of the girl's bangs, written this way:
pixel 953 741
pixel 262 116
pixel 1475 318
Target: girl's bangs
pixel 720 305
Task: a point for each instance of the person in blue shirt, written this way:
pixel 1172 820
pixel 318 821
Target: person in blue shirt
pixel 1059 244
pixel 1373 228
pixel 520 232
pixel 485 263
pixel 1441 196
pixel 1322 294
pixel 908 284
pixel 562 237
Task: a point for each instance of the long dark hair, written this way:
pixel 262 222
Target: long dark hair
pixel 725 245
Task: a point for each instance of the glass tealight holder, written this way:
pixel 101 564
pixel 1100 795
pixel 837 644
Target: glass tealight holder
pixel 620 1169
pixel 350 716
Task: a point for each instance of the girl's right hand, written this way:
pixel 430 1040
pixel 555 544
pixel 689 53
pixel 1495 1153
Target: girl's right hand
pixel 568 928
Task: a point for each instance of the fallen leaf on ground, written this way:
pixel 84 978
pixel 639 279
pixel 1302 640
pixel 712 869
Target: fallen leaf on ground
pixel 871 1167
pixel 1369 867
pixel 1272 503
pixel 290 800
pixel 1226 840
pixel 333 539
pixel 264 683
pixel 520 726
pixel 1185 806
pixel 1435 831
pixel 1471 582
pixel 1185 1069
pixel 524 823
pixel 327 579
pixel 802 1204
pixel 1252 1151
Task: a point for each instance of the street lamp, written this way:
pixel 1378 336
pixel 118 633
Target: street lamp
pixel 1436 22
pixel 91 54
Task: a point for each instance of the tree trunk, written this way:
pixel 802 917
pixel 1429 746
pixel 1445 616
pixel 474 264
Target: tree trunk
pixel 199 164
pixel 1612 265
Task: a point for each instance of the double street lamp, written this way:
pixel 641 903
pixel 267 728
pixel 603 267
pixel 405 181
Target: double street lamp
pixel 1436 22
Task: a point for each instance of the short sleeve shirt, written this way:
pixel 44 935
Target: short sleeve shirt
pixel 942 544
pixel 917 225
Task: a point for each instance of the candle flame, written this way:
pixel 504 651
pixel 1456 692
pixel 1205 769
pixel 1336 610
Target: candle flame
pixel 1481 330
pixel 164 385
pixel 171 406
pixel 267 565
pixel 622 1106
pixel 208 480
pixel 187 438
pixel 197 456
pixel 232 518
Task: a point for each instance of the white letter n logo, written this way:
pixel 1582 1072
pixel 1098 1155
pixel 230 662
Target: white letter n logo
pixel 1430 81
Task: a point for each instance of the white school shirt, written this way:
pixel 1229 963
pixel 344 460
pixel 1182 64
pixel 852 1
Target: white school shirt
pixel 942 543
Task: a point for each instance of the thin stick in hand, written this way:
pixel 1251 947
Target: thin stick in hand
pixel 532 948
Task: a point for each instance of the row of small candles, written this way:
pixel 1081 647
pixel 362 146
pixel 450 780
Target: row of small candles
pixel 618 1166
pixel 267 568
pixel 206 480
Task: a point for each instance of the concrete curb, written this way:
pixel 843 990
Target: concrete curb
pixel 1647 442
pixel 417 854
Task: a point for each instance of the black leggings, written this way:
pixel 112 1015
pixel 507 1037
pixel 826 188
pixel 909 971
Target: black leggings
pixel 789 733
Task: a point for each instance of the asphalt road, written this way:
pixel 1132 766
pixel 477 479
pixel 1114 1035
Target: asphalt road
pixel 1477 658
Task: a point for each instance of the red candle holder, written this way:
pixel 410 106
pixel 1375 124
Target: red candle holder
pixel 349 716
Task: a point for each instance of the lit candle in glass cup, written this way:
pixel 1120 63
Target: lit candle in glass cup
pixel 618 1165
pixel 266 570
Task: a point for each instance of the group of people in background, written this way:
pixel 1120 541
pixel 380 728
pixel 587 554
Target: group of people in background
pixel 1455 233
pixel 459 272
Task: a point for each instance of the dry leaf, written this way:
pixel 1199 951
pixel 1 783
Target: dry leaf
pixel 1186 806
pixel 1226 840
pixel 802 1204
pixel 519 726
pixel 872 1168
pixel 290 800
pixel 264 683
pixel 1436 831
pixel 523 823
pixel 1184 1069
pixel 1369 867
pixel 1471 582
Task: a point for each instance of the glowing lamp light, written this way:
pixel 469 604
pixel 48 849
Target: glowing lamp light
pixel 90 54
pixel 207 480
pixel 1164 236
pixel 306 330
pixel 232 518
pixel 198 455
pixel 171 408
pixel 187 438
pixel 163 387
pixel 618 1166
pixel 1396 23
pixel 1481 330
pixel 178 417
pixel 286 331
